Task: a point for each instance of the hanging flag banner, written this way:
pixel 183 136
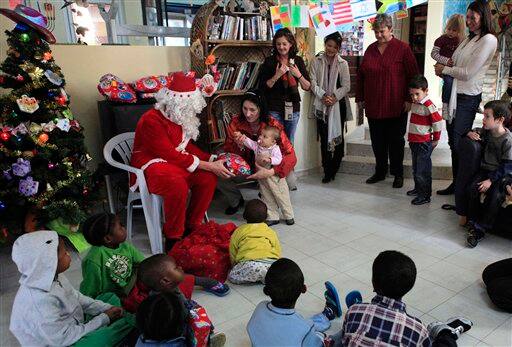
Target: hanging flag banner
pixel 411 3
pixel 300 16
pixel 363 9
pixel 390 6
pixel 322 20
pixel 280 16
pixel 402 13
pixel 341 12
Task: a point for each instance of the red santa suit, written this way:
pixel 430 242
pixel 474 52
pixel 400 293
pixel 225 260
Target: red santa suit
pixel 163 148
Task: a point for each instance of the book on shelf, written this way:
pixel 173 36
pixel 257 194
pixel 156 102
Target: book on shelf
pixel 229 27
pixel 219 122
pixel 238 76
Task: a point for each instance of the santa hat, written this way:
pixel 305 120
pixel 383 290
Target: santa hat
pixel 181 102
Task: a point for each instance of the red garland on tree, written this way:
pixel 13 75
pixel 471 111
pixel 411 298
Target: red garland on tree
pixel 42 162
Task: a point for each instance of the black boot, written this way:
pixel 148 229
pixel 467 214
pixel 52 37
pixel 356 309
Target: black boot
pixel 375 178
pixel 447 191
pixel 398 182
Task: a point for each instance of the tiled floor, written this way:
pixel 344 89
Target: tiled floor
pixel 340 228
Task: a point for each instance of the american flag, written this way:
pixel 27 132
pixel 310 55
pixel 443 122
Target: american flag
pixel 341 12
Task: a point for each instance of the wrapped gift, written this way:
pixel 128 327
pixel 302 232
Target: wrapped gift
pixel 114 89
pixel 235 164
pixel 151 84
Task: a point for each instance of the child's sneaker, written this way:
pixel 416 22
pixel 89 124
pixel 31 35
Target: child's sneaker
pixel 217 340
pixel 460 324
pixel 455 326
pixel 354 297
pixel 333 307
pixel 436 328
pixel 220 289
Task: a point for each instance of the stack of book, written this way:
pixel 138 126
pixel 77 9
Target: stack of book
pixel 227 27
pixel 219 122
pixel 238 76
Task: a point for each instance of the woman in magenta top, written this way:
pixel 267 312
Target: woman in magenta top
pixel 387 67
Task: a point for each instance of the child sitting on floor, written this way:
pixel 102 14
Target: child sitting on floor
pixel 482 194
pixel 160 274
pixel 48 311
pixel 253 246
pixel 110 265
pixel 385 321
pixel 274 189
pixel 162 321
pixel 276 323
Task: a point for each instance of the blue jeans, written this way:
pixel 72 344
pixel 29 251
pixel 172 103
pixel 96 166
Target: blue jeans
pixel 467 106
pixel 447 89
pixel 290 126
pixel 422 167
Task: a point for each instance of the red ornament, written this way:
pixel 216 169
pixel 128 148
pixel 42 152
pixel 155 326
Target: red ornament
pixel 51 166
pixel 61 100
pixel 2 79
pixel 47 56
pixel 5 136
pixel 43 138
pixel 85 192
pixel 19 78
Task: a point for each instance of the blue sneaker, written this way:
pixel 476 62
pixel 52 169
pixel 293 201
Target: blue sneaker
pixel 354 297
pixel 220 289
pixel 333 306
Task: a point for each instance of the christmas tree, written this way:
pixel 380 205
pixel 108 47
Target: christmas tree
pixel 42 152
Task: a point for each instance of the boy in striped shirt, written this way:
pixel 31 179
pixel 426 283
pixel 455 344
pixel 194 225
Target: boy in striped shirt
pixel 424 133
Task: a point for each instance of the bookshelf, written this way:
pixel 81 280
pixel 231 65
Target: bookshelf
pixel 418 33
pixel 240 41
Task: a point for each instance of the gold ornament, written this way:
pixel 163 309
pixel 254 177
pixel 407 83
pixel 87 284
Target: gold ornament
pixel 48 187
pixel 35 128
pixel 36 74
pixel 28 154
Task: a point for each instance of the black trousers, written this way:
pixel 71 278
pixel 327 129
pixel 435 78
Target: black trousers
pixel 483 213
pixel 498 279
pixel 388 141
pixel 467 106
pixel 331 161
pixel 470 160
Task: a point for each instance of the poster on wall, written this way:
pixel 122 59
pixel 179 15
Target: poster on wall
pixel 322 20
pixel 352 43
pixel 341 12
pixel 300 16
pixel 363 9
pixel 280 16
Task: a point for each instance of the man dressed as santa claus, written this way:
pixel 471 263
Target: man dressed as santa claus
pixel 173 165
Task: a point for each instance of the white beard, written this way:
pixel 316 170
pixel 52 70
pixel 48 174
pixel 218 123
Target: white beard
pixel 182 110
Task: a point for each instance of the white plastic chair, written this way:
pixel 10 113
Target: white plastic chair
pixel 151 203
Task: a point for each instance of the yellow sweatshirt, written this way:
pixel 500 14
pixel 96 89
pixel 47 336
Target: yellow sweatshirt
pixel 254 241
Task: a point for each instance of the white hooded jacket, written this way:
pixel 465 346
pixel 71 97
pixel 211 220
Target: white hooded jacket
pixel 47 310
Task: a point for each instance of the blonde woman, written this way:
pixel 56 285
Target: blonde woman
pixel 444 46
pixel 330 84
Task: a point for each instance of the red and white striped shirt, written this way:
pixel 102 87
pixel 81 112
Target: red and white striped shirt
pixel 426 123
